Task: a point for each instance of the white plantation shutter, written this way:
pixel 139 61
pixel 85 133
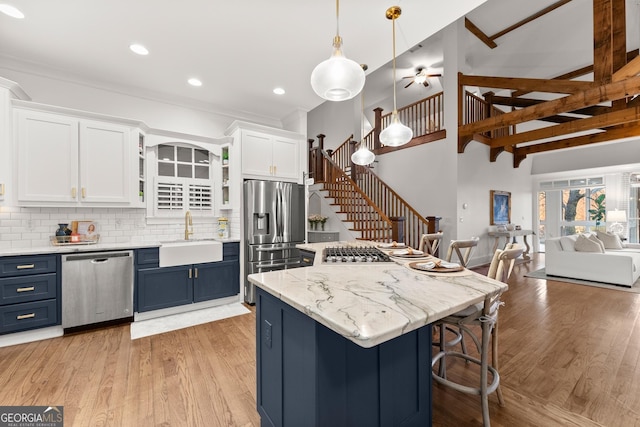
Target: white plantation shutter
pixel 200 197
pixel 175 196
pixel 169 196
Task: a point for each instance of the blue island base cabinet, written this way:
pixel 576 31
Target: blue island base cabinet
pixel 308 375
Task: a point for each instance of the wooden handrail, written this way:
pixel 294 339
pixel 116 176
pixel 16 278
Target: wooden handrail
pixel 476 109
pixel 366 216
pixel 342 155
pixel 390 202
pixel 423 117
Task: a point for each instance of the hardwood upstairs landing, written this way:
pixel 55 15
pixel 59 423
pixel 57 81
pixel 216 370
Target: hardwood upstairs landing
pixel 569 356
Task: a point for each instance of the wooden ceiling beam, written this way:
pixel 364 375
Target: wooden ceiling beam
pixel 530 85
pixel 610 135
pixel 527 102
pixel 628 70
pixel 602 43
pixel 593 96
pixel 579 72
pixel 596 122
pixel 490 40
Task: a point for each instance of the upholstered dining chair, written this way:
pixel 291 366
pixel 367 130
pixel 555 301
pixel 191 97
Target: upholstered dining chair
pixel 484 315
pixel 429 243
pixel 458 245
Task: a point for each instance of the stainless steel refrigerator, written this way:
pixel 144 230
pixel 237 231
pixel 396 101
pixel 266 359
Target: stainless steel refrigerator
pixel 274 223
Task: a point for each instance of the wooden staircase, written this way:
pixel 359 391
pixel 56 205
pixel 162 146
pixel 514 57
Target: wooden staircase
pixel 376 211
pixel 355 207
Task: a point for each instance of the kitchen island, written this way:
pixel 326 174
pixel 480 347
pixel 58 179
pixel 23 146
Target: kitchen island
pixel 350 344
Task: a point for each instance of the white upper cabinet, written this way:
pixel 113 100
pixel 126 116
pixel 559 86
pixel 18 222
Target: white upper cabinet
pixel 267 153
pixel 69 161
pixel 105 163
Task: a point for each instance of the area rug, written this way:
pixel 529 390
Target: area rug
pixel 541 274
pixel 145 328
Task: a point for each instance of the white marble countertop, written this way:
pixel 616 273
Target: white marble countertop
pixel 98 247
pixel 373 303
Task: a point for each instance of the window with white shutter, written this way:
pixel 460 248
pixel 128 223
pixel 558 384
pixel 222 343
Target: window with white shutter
pixel 183 181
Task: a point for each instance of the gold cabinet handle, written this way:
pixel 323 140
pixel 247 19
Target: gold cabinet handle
pixel 84 193
pixel 1 189
pixel 26 316
pixel 275 170
pixel 74 192
pixel 196 272
pixel 30 288
pixel 189 273
pixel 25 266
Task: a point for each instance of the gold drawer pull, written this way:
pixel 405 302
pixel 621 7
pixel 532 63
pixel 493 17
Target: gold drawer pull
pixel 74 192
pixel 1 189
pixel 196 271
pixel 30 288
pixel 190 273
pixel 26 316
pixel 306 259
pixel 25 266
pixel 84 193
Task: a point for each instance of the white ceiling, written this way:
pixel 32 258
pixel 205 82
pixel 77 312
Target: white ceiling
pixel 243 50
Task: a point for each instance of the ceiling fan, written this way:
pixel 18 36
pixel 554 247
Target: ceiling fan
pixel 421 77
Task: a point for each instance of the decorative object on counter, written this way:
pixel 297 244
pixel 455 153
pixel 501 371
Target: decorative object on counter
pixel 62 230
pixel 80 233
pixel 223 228
pixel 315 219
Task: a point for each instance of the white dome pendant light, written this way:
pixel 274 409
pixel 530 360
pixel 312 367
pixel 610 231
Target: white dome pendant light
pixel 337 78
pixel 395 134
pixel 362 156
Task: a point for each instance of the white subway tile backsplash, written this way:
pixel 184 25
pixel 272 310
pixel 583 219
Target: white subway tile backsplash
pixel 24 227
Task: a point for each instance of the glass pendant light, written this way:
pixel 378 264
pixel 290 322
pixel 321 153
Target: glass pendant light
pixel 396 133
pixel 362 156
pixel 337 78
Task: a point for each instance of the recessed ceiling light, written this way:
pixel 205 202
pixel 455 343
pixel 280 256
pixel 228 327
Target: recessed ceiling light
pixel 278 91
pixel 194 82
pixel 139 49
pixel 7 9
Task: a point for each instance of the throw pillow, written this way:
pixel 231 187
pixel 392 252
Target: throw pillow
pixel 611 241
pixel 584 244
pixel 568 242
pixel 598 241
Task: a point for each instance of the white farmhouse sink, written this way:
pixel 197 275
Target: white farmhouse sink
pixel 185 252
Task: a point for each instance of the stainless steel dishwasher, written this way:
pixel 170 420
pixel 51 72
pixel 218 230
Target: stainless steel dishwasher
pixel 96 287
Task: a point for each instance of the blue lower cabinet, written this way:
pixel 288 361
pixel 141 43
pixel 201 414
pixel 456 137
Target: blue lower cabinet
pixel 216 280
pixel 308 375
pixel 163 287
pixel 29 292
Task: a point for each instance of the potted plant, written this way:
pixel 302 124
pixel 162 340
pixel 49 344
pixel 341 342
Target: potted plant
pixel 599 212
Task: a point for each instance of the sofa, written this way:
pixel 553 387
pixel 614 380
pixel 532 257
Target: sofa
pixel 617 263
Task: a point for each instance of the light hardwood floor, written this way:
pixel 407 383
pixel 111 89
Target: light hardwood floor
pixel 569 356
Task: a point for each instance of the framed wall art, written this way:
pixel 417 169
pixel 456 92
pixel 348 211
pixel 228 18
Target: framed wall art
pixel 500 207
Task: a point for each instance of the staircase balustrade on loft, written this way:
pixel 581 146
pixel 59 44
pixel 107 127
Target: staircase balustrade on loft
pixel 477 108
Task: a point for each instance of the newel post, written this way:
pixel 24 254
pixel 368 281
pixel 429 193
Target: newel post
pixel 397 228
pixel 352 149
pixel 322 177
pixel 312 159
pixel 377 127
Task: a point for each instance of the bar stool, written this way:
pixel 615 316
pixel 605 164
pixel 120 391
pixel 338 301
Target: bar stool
pixel 467 245
pixel 486 316
pixel 429 243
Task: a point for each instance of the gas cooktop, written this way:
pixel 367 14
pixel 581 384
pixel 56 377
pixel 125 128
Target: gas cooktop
pixel 352 254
